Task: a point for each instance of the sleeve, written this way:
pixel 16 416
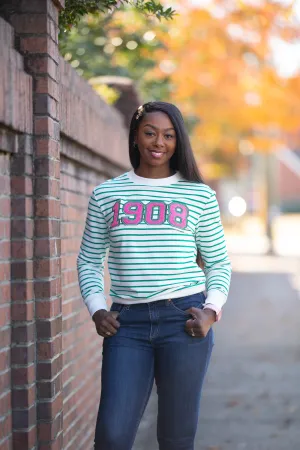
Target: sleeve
pixel 211 244
pixel 90 261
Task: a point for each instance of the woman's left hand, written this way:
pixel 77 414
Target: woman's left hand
pixel 201 323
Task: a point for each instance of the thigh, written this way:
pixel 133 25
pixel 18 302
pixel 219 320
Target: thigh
pixel 180 368
pixel 127 380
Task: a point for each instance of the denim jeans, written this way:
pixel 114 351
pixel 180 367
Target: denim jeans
pixel 151 344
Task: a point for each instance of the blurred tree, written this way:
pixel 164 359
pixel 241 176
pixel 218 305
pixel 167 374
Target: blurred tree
pixel 219 62
pixel 123 43
pixel 74 10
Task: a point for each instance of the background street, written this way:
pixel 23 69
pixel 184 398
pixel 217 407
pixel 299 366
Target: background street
pixel 251 398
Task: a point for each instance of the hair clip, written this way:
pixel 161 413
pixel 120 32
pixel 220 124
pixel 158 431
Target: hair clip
pixel 140 112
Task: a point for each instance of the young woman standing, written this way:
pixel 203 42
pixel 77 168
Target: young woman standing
pixel 154 219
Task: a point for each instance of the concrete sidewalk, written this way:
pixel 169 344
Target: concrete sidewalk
pixel 251 398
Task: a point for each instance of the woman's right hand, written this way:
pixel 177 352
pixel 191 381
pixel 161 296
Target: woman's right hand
pixel 106 322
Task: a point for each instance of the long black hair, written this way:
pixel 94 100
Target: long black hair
pixel 183 159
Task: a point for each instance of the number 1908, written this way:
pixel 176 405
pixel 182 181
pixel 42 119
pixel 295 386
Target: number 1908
pixel 154 213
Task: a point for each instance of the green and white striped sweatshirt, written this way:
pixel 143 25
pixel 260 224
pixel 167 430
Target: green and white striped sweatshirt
pixel 153 229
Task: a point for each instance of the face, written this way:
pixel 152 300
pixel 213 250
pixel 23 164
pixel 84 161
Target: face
pixel 156 139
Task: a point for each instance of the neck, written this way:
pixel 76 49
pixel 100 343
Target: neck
pixel 154 172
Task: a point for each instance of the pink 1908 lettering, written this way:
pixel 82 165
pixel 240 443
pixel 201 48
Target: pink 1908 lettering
pixel 134 209
pixel 176 214
pixel 161 213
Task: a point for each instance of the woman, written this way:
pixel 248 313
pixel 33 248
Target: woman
pixel 154 220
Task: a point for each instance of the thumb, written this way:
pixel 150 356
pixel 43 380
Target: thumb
pixel 114 314
pixel 191 311
pixel 190 323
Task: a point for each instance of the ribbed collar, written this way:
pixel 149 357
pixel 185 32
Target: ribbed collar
pixel 154 181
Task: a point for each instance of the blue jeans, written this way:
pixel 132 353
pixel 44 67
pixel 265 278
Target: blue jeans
pixel 151 344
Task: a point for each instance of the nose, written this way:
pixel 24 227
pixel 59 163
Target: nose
pixel 159 141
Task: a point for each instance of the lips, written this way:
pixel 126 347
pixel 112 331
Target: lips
pixel 156 154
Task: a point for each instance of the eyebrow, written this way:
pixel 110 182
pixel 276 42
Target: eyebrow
pixel 156 128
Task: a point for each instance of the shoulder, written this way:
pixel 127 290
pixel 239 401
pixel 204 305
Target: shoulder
pixel 111 185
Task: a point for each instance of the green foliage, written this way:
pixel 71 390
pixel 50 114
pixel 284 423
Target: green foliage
pixel 75 9
pixel 123 43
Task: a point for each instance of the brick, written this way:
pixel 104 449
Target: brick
pixel 5 426
pixel 47 207
pixel 21 270
pixel 47 186
pixel 23 354
pixel 47 228
pixel 46 85
pixel 5 206
pixel 23 333
pixel 48 309
pixel 47 247
pixel 45 167
pixel 4 361
pixel 24 397
pixel 49 388
pixel 21 165
pixel 21 207
pixel 39 44
pixel 25 141
pixel 22 249
pixel 26 23
pixel 42 65
pixel 5 338
pixel 49 328
pixel 46 105
pixel 21 185
pixel 49 409
pixel 5 380
pixel 6 444
pixel 46 126
pixel 5 403
pixel 47 370
pixel 23 375
pixel 24 439
pixel 47 288
pixel 49 349
pixel 47 431
pixel 22 291
pixel 5 293
pixel 5 315
pixel 22 228
pixel 47 147
pixel 5 229
pixel 22 311
pixel 4 185
pixel 24 418
pixel 4 271
pixel 56 444
pixel 47 267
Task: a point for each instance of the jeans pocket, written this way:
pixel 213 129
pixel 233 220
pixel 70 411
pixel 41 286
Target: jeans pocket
pixel 120 308
pixel 182 304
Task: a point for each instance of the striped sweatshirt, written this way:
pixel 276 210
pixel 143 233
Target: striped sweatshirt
pixel 152 230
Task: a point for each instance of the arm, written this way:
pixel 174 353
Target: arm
pixel 90 262
pixel 211 244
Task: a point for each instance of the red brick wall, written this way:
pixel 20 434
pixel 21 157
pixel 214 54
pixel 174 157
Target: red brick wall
pixel 81 345
pixel 5 321
pixel 58 140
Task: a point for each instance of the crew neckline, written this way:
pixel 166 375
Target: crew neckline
pixel 154 181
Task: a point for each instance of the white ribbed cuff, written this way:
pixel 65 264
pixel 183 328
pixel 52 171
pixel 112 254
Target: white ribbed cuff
pixel 216 298
pixel 94 302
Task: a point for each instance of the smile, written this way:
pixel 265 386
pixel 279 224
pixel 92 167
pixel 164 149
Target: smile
pixel 156 154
